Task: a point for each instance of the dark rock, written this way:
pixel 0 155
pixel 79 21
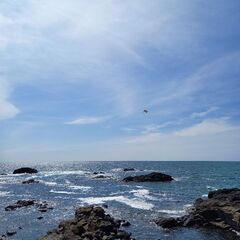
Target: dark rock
pixel 128 169
pixel 25 170
pixel 20 204
pixel 100 177
pixel 95 173
pixel 42 206
pixel 90 223
pixel 39 218
pixel 11 233
pixel 221 210
pixel 152 177
pixel 105 205
pixel 30 181
pixel 125 223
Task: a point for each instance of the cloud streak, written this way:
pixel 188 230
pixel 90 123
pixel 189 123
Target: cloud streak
pixel 87 120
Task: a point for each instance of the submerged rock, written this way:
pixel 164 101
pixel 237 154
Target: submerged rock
pixel 25 170
pixel 20 204
pixel 89 223
pixel 42 206
pixel 30 181
pixel 151 177
pixel 128 169
pixel 221 210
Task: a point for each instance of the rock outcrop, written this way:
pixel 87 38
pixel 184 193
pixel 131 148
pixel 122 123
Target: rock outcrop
pixel 221 210
pixel 89 223
pixel 25 170
pixel 42 206
pixel 151 177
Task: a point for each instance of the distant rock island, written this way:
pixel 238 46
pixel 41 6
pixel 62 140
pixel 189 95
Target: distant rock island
pixel 25 170
pixel 151 177
pixel 221 210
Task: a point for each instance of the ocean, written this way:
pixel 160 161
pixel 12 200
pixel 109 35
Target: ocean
pixel 69 185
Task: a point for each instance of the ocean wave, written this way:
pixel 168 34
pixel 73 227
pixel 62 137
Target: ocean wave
pixel 49 183
pixel 211 188
pixel 173 212
pixel 4 193
pixel 84 188
pixel 142 193
pixel 62 192
pixel 54 173
pixel 134 202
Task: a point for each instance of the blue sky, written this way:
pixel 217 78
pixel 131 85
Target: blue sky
pixel 75 77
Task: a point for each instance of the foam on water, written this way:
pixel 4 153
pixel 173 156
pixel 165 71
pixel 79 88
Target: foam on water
pixel 50 183
pixel 171 212
pixel 4 194
pixel 142 193
pixel 134 202
pixel 62 192
pixel 56 173
pixel 84 188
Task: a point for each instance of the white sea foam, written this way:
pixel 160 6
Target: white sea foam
pixel 142 193
pixel 4 193
pixel 50 183
pixel 173 212
pixel 205 195
pixel 117 170
pixel 134 202
pixel 84 188
pixel 54 173
pixel 62 192
pixel 211 188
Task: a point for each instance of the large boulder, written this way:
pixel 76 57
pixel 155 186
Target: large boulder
pixel 151 177
pixel 89 223
pixel 25 170
pixel 221 210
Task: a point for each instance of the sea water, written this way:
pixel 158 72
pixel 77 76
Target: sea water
pixel 66 186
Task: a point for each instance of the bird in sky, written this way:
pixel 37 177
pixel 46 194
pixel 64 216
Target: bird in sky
pixel 145 111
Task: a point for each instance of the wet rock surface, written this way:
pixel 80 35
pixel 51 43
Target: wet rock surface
pixel 25 170
pixel 90 223
pixel 221 210
pixel 29 181
pixel 151 177
pixel 42 206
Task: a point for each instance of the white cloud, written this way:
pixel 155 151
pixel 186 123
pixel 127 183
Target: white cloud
pixel 7 109
pixel 87 120
pixel 204 113
pixel 208 127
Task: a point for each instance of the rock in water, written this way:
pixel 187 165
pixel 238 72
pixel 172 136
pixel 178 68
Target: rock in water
pixel 152 177
pixel 221 210
pixel 89 223
pixel 30 181
pixel 128 169
pixel 25 170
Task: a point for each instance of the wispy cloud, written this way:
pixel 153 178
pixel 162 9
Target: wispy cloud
pixel 204 113
pixel 208 127
pixel 87 120
pixel 7 109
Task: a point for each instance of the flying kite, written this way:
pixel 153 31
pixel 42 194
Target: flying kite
pixel 145 111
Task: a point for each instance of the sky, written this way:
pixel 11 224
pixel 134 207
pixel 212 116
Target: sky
pixel 76 75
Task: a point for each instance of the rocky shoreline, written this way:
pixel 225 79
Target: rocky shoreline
pixel 221 210
pixel 90 223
